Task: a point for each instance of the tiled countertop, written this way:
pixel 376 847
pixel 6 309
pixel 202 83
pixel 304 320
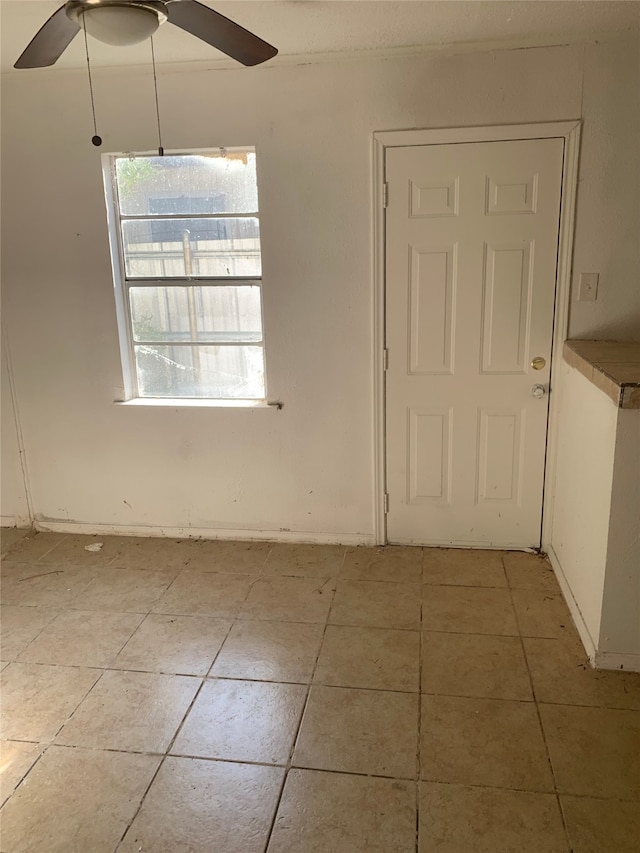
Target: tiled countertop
pixel 612 366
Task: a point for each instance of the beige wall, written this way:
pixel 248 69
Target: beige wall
pixel 586 445
pixel 620 627
pixel 305 471
pixel 595 537
pixel 13 498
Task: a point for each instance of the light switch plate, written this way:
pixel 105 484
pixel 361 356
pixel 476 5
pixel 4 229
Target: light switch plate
pixel 588 286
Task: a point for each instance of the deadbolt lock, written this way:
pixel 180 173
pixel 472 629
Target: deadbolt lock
pixel 538 363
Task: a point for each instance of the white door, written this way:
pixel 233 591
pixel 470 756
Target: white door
pixel 471 249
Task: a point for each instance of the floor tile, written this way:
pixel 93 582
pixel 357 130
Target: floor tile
pixel 134 711
pixel 154 552
pixel 124 590
pixel 541 614
pixel 562 675
pixel 475 665
pixel 16 759
pixel 379 605
pixel 289 599
pixel 82 638
pixel 601 826
pixel 20 625
pixel 242 721
pixel 455 819
pixel 46 585
pixel 461 567
pixel 270 651
pixel 468 610
pixel 9 536
pixel 204 806
pixel 594 751
pixel 12 568
pixel 490 742
pixel 184 645
pixel 359 731
pixel 197 593
pixel 376 658
pixel 246 558
pixel 33 546
pixel 389 563
pixel 232 694
pixel 72 550
pixel 305 561
pixel 75 801
pixel 37 700
pixel 321 812
pixel 530 571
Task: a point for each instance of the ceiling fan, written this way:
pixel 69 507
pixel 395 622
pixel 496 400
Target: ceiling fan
pixel 123 22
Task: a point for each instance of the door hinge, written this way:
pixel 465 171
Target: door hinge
pixel 385 194
pixel 386 502
pixel 385 359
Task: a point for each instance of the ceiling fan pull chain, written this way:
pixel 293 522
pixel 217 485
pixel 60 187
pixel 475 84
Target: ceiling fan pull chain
pixel 155 86
pixel 97 140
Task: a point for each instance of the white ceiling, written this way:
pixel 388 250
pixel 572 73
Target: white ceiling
pixel 306 27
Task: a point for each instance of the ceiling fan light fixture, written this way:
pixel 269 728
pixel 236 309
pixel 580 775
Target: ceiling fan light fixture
pixel 122 22
pixel 119 23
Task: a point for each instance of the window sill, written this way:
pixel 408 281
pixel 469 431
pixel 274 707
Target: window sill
pixel 190 403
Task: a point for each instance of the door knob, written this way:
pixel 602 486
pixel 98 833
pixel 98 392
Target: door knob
pixel 538 391
pixel 538 362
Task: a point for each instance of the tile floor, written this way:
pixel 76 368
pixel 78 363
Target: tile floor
pixel 161 696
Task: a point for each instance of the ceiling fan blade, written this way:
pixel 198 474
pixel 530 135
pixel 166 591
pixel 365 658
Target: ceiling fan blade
pixel 220 32
pixel 50 42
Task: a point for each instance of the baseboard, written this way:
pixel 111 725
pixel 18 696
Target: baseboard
pixel 206 533
pixel 447 543
pixel 572 604
pixel 613 660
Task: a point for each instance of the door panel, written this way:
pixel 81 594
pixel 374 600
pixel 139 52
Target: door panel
pixel 431 310
pixel 471 246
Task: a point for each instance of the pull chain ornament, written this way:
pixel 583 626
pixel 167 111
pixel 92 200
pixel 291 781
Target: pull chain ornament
pixel 97 140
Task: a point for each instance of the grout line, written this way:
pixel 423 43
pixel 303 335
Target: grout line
pixel 373 627
pixel 360 774
pixel 167 752
pixel 53 547
pixel 318 684
pixel 305 704
pixel 204 758
pixel 542 731
pixel 481 697
pixel 56 613
pixel 46 747
pixel 52 740
pixel 163 757
pixel 142 799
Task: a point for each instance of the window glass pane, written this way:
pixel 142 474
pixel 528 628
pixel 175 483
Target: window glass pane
pixel 222 372
pixel 211 248
pixel 198 313
pixel 195 183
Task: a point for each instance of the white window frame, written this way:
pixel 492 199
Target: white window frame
pixel 122 285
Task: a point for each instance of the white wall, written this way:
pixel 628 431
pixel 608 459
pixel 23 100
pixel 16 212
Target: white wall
pixel 609 195
pixel 620 627
pixel 586 443
pixel 14 510
pixel 308 468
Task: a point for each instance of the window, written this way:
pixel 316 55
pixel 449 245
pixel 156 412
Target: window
pixel 185 244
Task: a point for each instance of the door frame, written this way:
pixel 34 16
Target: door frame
pixel 569 131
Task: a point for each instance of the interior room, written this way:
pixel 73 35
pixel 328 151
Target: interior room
pixel 320 494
